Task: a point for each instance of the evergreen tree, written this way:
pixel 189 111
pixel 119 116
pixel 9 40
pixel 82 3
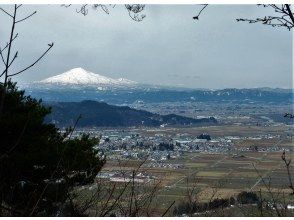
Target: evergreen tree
pixel 39 166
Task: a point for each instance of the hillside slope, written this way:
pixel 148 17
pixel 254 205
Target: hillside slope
pixel 99 114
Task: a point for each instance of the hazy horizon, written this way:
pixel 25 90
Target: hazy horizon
pixel 21 84
pixel 167 48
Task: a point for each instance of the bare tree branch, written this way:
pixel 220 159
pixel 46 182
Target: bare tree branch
pixel 83 10
pixel 166 211
pixel 268 187
pixel 14 57
pixel 8 59
pixel 134 10
pixel 9 42
pixel 63 5
pixel 103 7
pixel 287 164
pixel 199 13
pixel 2 58
pixel 6 12
pixel 283 17
pixel 290 12
pixel 26 17
pixel 28 67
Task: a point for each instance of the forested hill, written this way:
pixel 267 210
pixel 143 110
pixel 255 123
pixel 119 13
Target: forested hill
pixel 99 114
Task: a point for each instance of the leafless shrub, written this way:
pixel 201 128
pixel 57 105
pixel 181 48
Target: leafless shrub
pixel 277 200
pixel 127 199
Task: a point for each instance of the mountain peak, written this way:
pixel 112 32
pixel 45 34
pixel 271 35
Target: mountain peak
pixel 80 76
pixel 78 69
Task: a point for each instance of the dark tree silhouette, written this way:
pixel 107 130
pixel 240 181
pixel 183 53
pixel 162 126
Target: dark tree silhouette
pixel 39 166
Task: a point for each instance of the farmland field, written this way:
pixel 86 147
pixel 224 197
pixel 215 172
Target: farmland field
pixel 214 174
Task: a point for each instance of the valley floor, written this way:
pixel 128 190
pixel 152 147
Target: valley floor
pixel 238 158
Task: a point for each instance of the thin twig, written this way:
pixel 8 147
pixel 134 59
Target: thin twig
pixel 166 211
pixel 287 164
pixel 6 12
pixel 28 67
pixel 26 17
pixel 15 56
pixel 283 18
pixel 9 42
pixel 199 13
pixel 269 190
pixel 290 12
pixel 8 60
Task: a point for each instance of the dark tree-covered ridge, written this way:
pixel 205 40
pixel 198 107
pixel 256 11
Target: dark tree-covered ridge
pixel 99 114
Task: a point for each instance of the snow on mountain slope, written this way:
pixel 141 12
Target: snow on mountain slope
pixel 79 76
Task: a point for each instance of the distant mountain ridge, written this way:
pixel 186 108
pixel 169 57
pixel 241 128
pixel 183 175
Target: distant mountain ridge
pixel 78 84
pixel 130 95
pixel 98 114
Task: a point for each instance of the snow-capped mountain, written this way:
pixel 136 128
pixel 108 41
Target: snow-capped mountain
pixel 78 85
pixel 79 76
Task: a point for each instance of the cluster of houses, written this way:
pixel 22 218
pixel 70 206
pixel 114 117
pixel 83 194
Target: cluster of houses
pixel 159 147
pixel 164 165
pixel 163 146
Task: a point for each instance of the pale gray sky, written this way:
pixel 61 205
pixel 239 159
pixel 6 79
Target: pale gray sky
pixel 168 47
